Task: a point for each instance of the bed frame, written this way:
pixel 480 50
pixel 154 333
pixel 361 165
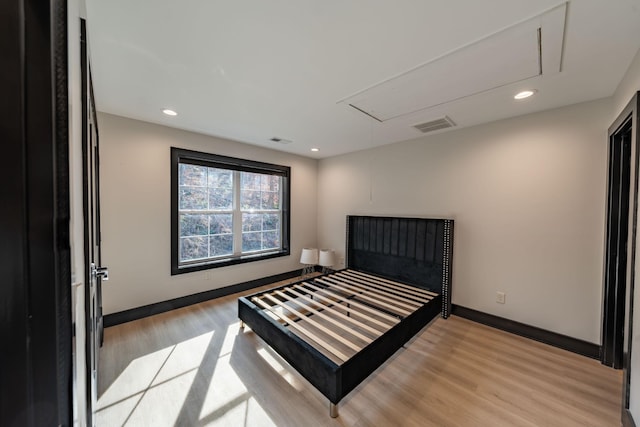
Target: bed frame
pixel 336 329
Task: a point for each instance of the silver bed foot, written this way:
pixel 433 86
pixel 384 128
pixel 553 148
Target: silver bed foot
pixel 333 410
pixel 241 325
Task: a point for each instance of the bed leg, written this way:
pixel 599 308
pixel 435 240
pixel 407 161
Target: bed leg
pixel 333 410
pixel 242 325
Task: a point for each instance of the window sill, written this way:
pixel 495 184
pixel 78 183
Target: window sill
pixel 189 268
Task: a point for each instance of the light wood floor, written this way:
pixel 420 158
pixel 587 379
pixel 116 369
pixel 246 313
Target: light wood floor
pixel 192 367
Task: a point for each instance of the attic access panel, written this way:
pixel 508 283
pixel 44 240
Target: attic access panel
pixel 520 52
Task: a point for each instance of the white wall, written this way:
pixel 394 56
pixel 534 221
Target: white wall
pixel 629 85
pixel 135 198
pixel 626 89
pixel 528 198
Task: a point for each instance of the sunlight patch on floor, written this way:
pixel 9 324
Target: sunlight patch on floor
pixel 281 370
pixel 227 401
pixel 162 403
pixel 118 413
pixel 160 379
pixel 225 385
pixel 229 338
pixel 136 378
pixel 187 356
pixel 153 389
pixel 242 411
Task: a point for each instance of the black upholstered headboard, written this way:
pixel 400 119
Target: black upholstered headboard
pixel 417 251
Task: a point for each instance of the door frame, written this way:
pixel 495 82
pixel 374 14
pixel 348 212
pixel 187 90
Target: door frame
pixel 34 222
pixel 628 117
pixel 620 232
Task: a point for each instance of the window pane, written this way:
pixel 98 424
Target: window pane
pixel 270 183
pixel 256 241
pixel 220 178
pixel 271 222
pixel 249 199
pixel 260 191
pixel 221 245
pixel 270 200
pixel 271 240
pixel 251 242
pixel 221 223
pixel 193 248
pixel 251 222
pixel 220 198
pixel 193 225
pixel 250 181
pixel 192 175
pixel 193 198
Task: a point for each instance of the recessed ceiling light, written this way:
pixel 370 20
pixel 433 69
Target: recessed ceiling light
pixel 525 94
pixel 315 149
pixel 169 112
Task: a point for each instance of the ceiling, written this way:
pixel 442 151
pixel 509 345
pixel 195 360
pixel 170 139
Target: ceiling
pixel 252 70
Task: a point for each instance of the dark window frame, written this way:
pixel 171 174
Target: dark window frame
pixel 179 155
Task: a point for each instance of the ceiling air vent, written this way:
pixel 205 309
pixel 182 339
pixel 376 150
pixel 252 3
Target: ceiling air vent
pixel 443 123
pixel 281 140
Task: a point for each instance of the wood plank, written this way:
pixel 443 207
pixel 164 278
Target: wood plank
pixel 315 324
pixel 398 284
pixel 328 307
pixel 407 294
pixel 410 300
pixel 360 294
pixel 377 293
pixel 329 319
pixel 418 292
pixel 297 327
pixel 359 306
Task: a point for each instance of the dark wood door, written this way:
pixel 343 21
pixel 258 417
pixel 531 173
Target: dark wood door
pixel 35 271
pixel 95 274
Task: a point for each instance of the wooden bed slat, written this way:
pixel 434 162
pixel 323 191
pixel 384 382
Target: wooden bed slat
pixel 357 304
pixel 421 294
pixel 312 322
pixel 397 284
pixel 409 297
pixel 402 300
pixel 303 330
pixel 362 295
pixel 330 309
pixel 324 316
pixel 376 293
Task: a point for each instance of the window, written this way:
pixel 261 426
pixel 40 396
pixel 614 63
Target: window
pixel 226 211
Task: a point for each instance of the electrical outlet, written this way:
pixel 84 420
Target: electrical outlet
pixel 500 297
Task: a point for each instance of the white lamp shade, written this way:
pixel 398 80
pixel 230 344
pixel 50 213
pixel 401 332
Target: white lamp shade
pixel 327 258
pixel 309 256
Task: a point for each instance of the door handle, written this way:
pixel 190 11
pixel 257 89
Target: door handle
pixel 102 272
